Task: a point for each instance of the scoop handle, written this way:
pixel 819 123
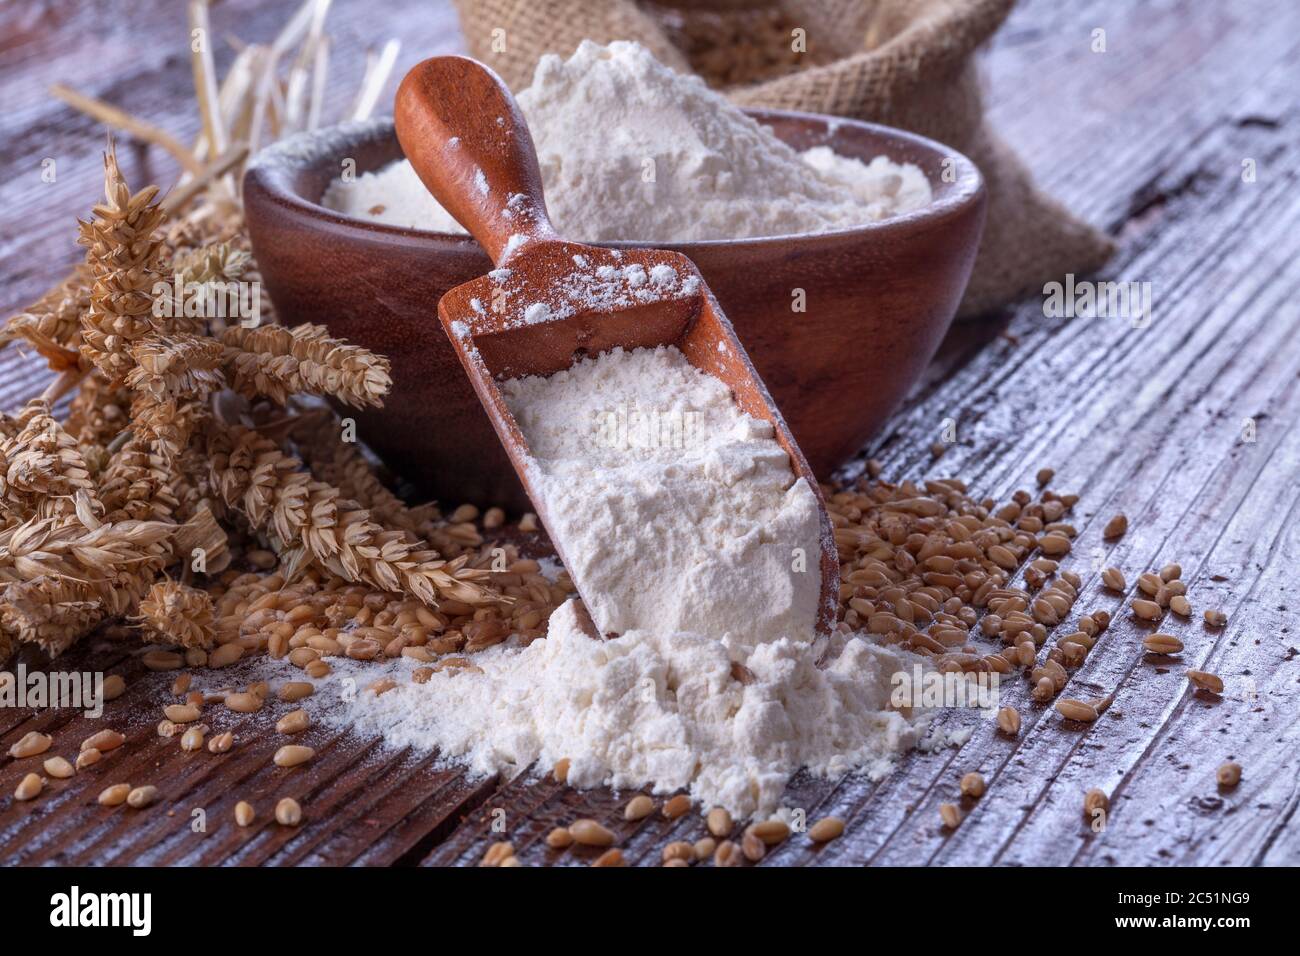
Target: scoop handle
pixel 462 131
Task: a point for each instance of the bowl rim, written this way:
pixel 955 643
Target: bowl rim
pixel 273 169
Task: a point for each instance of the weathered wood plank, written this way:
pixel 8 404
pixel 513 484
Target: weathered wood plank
pixel 1146 139
pixel 359 800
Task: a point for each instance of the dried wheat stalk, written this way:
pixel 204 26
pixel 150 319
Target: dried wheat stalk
pixel 95 512
pixel 175 366
pixel 219 262
pixel 202 537
pixel 140 485
pixel 97 414
pixel 343 465
pixel 107 558
pixel 63 547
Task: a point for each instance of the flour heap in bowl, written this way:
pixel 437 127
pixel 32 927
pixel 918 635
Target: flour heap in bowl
pixel 687 529
pixel 630 150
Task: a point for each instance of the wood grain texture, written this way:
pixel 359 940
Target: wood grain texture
pixel 1146 139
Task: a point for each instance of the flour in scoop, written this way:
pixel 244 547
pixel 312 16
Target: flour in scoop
pixel 631 150
pixel 674 510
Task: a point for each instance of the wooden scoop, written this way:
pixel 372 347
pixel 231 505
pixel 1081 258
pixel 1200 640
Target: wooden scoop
pixel 550 303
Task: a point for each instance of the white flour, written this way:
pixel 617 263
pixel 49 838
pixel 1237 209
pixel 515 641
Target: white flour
pixel 680 514
pixel 659 711
pixel 674 509
pixel 631 150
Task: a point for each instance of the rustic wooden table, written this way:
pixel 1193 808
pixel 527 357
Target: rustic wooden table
pixel 1187 425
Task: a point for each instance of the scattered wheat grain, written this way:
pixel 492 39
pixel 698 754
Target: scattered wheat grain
pixel 1206 681
pixel 31 744
pixel 293 755
pixel 114 795
pixel 1072 709
pixel 638 808
pixel 141 797
pixel 587 832
pixel 288 813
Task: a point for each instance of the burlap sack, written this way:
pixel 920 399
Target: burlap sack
pixel 905 63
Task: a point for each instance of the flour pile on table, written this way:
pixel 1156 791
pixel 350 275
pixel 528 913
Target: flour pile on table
pixel 662 711
pixel 631 150
pixel 683 523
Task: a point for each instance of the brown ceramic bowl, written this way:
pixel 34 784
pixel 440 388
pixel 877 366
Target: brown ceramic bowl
pixel 879 299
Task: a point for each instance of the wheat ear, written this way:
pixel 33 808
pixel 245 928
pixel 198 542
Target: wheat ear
pixel 173 613
pixel 309 520
pixel 52 324
pixel 123 253
pixel 41 466
pixel 278 362
pixel 50 612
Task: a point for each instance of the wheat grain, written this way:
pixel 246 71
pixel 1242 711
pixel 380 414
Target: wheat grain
pixel 678 851
pixel 1095 800
pixel 1009 720
pixel 559 838
pixel 31 744
pixel 1162 644
pixel 638 808
pixel 1072 709
pixel 719 822
pixel 88 758
pixel 972 784
pixel 294 722
pixel 676 806
pixel 497 853
pixel 30 787
pixel 771 832
pixel 59 768
pixel 826 829
pixel 588 832
pixel 1204 680
pixel 114 795
pixel 141 797
pixel 288 813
